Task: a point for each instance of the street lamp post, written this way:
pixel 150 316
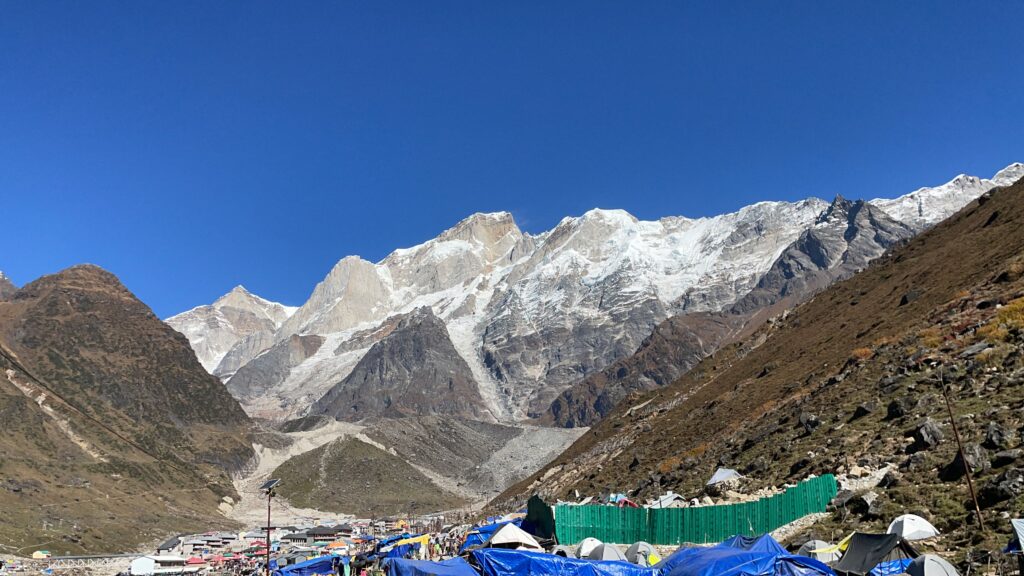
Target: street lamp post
pixel 268 489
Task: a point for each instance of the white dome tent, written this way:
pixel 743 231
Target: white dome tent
pixel 512 536
pixel 724 475
pixel 912 527
pixel 586 547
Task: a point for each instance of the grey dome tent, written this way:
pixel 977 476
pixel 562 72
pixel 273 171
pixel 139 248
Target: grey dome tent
pixel 809 547
pixel 865 551
pixel 564 551
pixel 639 552
pixel 931 565
pixel 606 552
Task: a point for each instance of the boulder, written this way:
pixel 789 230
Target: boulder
pixel 1006 486
pixel 810 422
pixel 1006 457
pixel 842 498
pixel 998 437
pixel 909 297
pixel 799 465
pixel 975 456
pixel 864 409
pixel 926 436
pixel 916 461
pixel 974 349
pixel 866 505
pixel 900 407
pixel 891 478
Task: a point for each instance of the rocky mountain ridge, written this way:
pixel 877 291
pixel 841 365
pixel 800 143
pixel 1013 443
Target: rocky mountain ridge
pixel 111 432
pixel 533 315
pixel 850 382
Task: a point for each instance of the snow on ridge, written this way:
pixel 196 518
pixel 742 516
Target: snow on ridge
pixel 928 206
pixel 486 279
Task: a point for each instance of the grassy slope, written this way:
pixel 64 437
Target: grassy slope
pixel 56 497
pixel 351 476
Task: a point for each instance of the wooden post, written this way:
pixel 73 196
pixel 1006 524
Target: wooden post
pixel 960 449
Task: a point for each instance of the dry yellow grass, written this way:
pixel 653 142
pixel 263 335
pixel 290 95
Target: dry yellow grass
pixel 930 337
pixel 861 353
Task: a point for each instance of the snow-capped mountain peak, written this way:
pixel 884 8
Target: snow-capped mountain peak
pixel 214 329
pixel 926 207
pixel 534 313
pixel 1009 175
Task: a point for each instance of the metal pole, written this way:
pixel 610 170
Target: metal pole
pixel 269 494
pixel 960 448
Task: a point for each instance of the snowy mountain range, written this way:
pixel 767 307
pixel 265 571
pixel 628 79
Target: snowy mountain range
pixel 526 316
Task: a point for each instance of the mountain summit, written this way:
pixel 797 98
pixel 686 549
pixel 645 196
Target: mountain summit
pixel 214 329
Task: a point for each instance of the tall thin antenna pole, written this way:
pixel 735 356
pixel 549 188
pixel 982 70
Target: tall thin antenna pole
pixel 960 448
pixel 270 494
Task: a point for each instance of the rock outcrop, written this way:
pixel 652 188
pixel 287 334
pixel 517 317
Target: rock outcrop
pixel 414 370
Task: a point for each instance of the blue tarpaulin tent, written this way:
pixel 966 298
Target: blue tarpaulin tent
pixel 726 560
pixel 321 565
pixel 503 562
pixel 481 534
pixel 891 567
pixel 452 567
pixel 762 543
pixel 390 540
pixel 402 551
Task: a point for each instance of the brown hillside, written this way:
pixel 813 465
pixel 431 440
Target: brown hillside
pixel 113 433
pixel 864 342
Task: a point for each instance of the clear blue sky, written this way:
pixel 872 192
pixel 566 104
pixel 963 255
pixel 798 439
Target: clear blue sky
pixel 189 147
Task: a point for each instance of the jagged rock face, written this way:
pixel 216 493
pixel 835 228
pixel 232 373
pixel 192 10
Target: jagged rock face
pixel 242 352
pixel 675 346
pixel 414 370
pixel 532 315
pixel 7 288
pixel 213 330
pixel 844 239
pixel 272 367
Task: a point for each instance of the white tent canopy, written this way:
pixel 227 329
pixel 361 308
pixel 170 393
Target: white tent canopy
pixel 586 546
pixel 931 565
pixel 724 475
pixel 512 536
pixel 912 527
pixel 1018 530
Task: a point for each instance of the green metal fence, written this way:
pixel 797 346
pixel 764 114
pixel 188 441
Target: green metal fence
pixel 698 525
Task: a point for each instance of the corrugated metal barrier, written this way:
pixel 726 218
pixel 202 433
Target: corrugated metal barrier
pixel 698 525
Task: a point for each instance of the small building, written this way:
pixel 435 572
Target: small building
pixel 169 545
pixel 41 554
pixel 194 546
pixel 297 538
pixel 155 565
